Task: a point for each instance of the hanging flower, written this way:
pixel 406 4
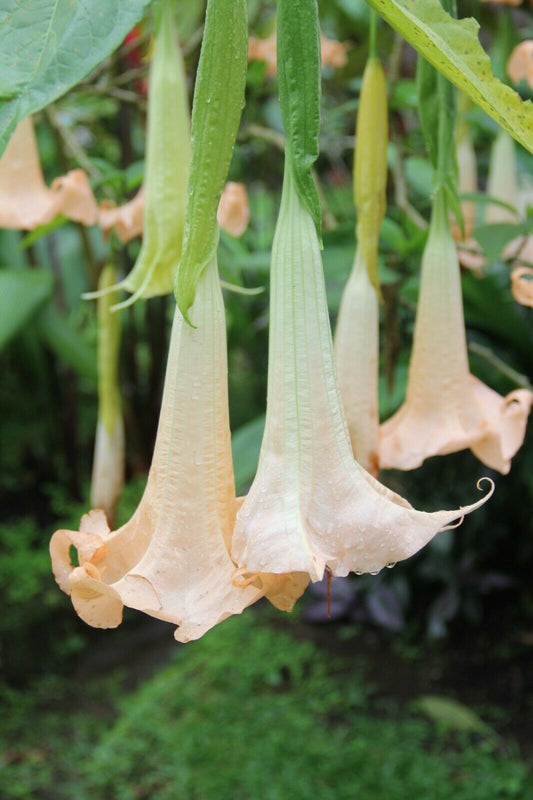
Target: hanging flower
pixel 522 285
pixel 502 183
pixel 333 52
pixel 466 171
pixel 357 332
pixel 25 200
pixel 171 560
pixel 168 159
pixel 356 360
pixel 108 463
pixel 233 213
pixel 311 504
pixel 520 63
pixel 126 221
pixel 446 408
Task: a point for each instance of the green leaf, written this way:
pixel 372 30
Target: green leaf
pixel 451 714
pixel 65 341
pixel 216 113
pixel 22 291
pixel 452 46
pixel 298 42
pixel 245 445
pixel 47 46
pixel 494 237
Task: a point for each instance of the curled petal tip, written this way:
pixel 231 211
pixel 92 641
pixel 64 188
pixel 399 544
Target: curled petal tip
pixel 492 486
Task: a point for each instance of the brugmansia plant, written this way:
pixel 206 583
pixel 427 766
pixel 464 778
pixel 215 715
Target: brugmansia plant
pixel 171 560
pixel 357 331
pixel 193 553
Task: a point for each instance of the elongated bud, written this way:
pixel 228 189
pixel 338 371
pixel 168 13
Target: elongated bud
pixel 370 165
pixel 108 465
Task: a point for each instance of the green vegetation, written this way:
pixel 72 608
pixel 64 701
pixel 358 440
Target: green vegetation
pixel 247 712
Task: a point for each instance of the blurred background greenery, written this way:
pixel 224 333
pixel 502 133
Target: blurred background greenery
pixel 421 684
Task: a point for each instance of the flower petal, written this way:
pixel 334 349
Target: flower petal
pixel 311 504
pixel 171 559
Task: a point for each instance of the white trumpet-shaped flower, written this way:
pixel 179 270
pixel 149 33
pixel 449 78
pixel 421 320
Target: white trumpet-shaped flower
pixel 311 504
pixel 171 560
pixel 25 200
pixel 356 359
pixel 446 408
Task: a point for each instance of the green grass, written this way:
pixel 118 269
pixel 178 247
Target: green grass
pixel 246 713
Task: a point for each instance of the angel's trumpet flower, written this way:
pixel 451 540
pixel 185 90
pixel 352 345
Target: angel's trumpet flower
pixel 126 221
pixel 356 360
pixel 466 168
pixel 520 63
pixel 311 504
pixel 167 168
pixel 446 408
pixel 25 200
pixel 171 560
pixel 502 183
pixel 233 213
pixel 522 285
pixel 333 52
pixel 108 463
pixel 357 332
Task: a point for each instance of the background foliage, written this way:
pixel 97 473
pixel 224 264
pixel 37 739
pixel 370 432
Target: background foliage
pixel 472 585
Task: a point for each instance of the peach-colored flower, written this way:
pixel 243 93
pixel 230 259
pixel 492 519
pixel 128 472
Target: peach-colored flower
pixel 522 285
pixel 311 505
pixel 520 63
pixel 171 560
pixel 25 200
pixel 333 52
pixel 125 220
pixel 233 213
pixel 447 409
pixel 356 347
pixel 467 178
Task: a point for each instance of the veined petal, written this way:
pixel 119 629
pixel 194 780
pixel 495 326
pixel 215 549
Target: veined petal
pixel 25 200
pixel 356 359
pixel 171 559
pixel 311 504
pixel 445 408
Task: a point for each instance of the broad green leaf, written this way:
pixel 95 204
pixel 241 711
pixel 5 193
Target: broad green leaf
pixel 245 446
pixel 452 46
pixel 48 46
pixel 494 237
pixel 452 714
pixel 298 42
pixel 216 113
pixel 66 342
pixel 22 291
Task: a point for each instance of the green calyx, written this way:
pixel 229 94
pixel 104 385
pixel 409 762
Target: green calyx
pixel 298 49
pixel 167 166
pixel 217 108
